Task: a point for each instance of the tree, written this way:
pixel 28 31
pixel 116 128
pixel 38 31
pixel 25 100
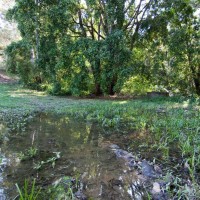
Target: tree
pixel 44 32
pixel 103 30
pixel 184 43
pixel 91 46
pixel 170 46
pixel 109 30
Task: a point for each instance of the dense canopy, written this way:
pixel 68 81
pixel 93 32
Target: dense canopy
pixel 81 47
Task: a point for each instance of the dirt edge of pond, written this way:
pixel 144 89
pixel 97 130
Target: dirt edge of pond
pixel 4 78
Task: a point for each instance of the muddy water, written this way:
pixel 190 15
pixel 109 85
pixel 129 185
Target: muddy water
pixel 83 153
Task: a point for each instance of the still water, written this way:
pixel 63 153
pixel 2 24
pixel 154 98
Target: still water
pixel 72 148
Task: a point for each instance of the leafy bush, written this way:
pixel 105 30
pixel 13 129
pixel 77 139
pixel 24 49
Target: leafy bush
pixel 19 62
pixel 136 85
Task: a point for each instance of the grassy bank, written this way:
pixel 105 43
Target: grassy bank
pixel 169 120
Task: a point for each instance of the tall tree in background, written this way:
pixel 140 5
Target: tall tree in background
pixel 184 43
pixel 170 46
pixel 109 29
pixel 103 31
pixel 84 46
pixel 43 24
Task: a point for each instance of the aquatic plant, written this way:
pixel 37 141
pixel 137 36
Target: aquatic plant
pixel 27 193
pixel 63 188
pixel 51 160
pixel 28 153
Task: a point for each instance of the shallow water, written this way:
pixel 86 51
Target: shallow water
pixel 84 153
pixel 73 148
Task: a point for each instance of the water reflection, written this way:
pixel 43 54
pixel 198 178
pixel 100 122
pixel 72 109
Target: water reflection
pixel 83 151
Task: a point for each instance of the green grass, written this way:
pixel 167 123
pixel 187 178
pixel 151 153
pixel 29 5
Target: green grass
pixel 28 193
pixel 173 120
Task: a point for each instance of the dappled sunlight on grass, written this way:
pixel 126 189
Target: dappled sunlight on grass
pixel 120 102
pixel 185 105
pixel 25 92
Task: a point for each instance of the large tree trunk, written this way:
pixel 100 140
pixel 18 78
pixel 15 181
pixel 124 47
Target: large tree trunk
pixel 37 35
pixel 197 83
pixel 111 88
pixel 98 90
pixel 195 73
pixel 96 70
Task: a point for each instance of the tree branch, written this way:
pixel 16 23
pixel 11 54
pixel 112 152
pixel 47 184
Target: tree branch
pixel 81 23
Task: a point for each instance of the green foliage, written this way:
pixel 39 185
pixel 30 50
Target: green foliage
pixel 28 154
pixel 99 55
pixel 63 188
pixel 51 160
pixel 19 62
pixel 96 46
pixel 167 54
pixel 115 57
pixel 184 48
pixel 18 54
pixel 136 85
pixel 27 193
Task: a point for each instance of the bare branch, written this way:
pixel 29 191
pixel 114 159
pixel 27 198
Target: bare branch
pixel 129 6
pixel 92 29
pixel 137 12
pixel 137 22
pixel 81 23
pixel 89 29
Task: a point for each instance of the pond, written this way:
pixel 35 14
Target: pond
pixel 54 148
